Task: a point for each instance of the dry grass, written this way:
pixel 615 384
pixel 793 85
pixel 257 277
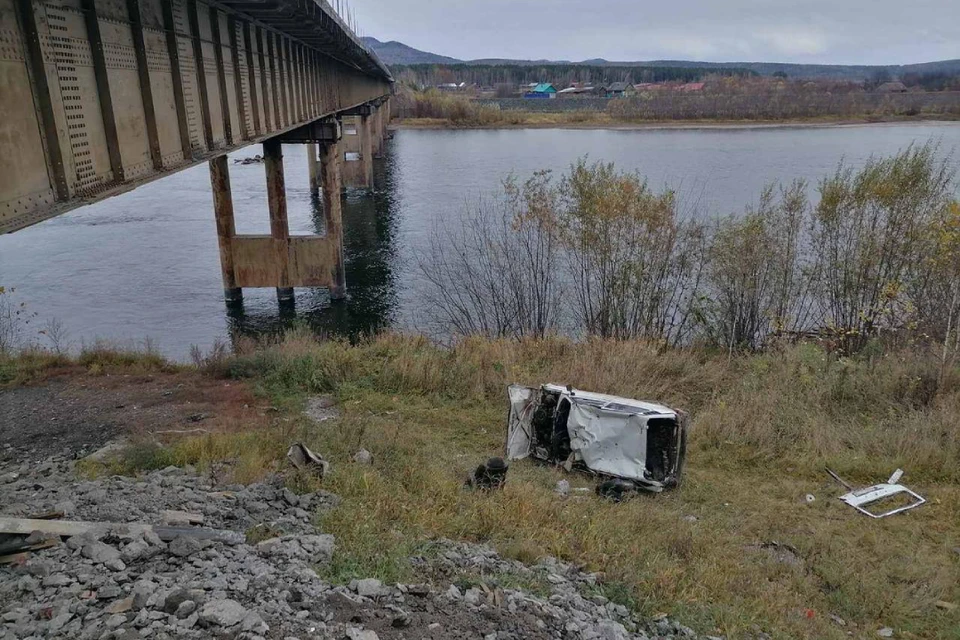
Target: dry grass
pixel 764 427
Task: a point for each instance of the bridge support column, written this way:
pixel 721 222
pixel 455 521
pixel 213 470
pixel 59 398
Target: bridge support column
pixel 331 186
pixel 279 225
pixel 366 150
pixel 313 167
pixel 376 125
pixel 226 227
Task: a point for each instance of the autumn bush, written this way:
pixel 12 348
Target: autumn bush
pixel 598 252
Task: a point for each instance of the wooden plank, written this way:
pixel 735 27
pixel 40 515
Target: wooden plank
pixel 201 72
pixel 58 174
pixel 179 101
pixel 103 88
pixel 70 528
pixel 221 75
pixel 245 133
pixel 146 91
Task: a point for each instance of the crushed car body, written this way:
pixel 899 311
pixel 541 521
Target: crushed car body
pixel 615 437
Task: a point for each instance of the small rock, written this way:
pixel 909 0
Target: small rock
pixel 363 457
pixel 100 552
pixel 356 633
pixel 224 613
pixel 185 609
pixel 108 591
pixel 174 599
pixel 886 632
pixel 610 630
pixel 116 620
pixel 120 606
pixel 562 488
pixel 690 518
pixel 369 587
pixel 60 621
pixel 115 565
pixel 134 551
pixel 57 580
pixel 183 546
pixel 453 593
pixel 837 619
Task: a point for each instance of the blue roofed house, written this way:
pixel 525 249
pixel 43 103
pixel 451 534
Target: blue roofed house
pixel 542 90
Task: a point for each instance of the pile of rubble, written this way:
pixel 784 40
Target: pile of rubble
pixel 125 580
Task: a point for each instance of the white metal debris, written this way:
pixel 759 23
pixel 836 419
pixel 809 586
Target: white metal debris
pixel 862 499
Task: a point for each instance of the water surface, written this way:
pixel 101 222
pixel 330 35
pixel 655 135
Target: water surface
pixel 144 265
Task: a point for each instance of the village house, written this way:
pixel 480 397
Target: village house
pixel 619 90
pixel 541 91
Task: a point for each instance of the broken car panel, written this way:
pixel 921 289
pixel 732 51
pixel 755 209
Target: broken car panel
pixel 615 437
pixel 872 500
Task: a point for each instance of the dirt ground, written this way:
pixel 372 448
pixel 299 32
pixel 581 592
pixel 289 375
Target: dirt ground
pixel 76 412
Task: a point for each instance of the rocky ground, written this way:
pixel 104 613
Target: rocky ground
pixel 120 582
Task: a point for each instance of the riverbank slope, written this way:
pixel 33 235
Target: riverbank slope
pixel 738 550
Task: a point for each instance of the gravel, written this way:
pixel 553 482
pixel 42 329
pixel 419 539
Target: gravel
pixel 118 583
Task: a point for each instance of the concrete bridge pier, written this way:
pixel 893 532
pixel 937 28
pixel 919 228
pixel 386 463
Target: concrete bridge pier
pixel 366 149
pixel 226 227
pixel 279 223
pixel 280 260
pixel 358 143
pixel 332 187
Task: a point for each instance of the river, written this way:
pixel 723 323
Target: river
pixel 144 266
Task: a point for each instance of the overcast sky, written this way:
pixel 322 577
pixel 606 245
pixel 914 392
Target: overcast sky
pixel 815 31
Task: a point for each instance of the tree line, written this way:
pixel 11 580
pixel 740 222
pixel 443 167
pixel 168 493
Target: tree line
pixel 490 75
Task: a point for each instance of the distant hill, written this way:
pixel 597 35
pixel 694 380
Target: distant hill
pixel 395 53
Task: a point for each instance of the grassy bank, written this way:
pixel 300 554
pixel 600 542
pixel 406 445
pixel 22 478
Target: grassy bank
pixel 764 426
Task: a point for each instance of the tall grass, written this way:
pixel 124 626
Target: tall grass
pixel 458 110
pixel 797 404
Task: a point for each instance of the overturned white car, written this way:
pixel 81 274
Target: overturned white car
pixel 636 441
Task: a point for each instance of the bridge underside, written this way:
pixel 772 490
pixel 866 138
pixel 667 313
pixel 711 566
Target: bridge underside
pixel 100 96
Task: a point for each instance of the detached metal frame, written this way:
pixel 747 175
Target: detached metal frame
pixel 859 499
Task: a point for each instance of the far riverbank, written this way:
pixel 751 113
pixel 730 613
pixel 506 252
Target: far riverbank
pixel 581 120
